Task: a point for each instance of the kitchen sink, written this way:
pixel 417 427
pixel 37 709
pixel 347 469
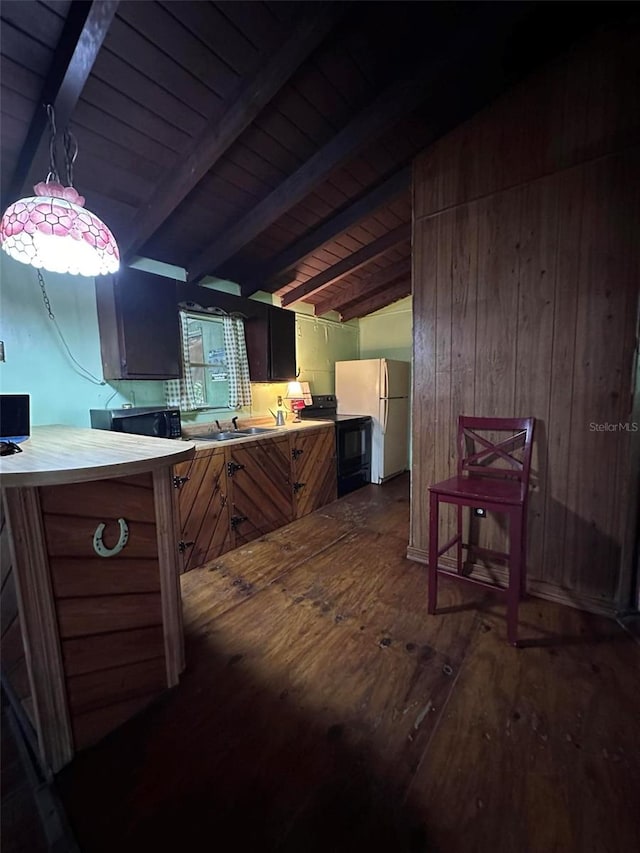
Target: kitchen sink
pixel 230 435
pixel 217 436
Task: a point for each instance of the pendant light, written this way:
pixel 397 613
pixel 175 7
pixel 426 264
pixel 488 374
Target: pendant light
pixel 52 230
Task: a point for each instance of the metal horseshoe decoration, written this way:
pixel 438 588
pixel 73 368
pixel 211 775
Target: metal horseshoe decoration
pixel 101 549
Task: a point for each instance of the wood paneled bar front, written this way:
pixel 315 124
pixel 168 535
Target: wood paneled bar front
pixel 91 611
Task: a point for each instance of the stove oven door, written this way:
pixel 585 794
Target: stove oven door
pixel 353 446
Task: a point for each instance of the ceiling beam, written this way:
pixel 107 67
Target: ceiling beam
pixel 378 300
pixel 84 31
pixel 358 291
pixel 281 270
pixel 222 132
pixel 349 264
pixel 467 45
pixel 395 102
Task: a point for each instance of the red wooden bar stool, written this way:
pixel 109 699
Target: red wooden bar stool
pixel 492 478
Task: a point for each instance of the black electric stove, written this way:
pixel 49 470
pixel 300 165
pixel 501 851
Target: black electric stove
pixel 353 441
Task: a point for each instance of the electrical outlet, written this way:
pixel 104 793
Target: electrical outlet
pixel 479 512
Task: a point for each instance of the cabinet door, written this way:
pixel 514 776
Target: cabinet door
pixel 282 341
pixel 138 322
pixel 313 455
pixel 203 508
pixel 260 488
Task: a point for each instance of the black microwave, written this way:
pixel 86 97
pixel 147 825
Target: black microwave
pixel 143 420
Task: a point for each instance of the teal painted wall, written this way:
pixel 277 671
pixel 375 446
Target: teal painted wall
pixel 37 363
pixel 388 333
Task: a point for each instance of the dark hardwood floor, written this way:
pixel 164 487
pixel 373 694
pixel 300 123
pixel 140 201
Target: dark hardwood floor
pixel 323 710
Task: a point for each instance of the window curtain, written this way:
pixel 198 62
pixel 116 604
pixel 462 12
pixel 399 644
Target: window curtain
pixel 237 362
pixel 180 393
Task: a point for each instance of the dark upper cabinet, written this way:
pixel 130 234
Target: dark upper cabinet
pixel 282 340
pixel 270 332
pixel 271 345
pixel 138 322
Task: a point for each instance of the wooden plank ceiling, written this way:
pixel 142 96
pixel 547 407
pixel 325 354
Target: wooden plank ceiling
pixel 268 143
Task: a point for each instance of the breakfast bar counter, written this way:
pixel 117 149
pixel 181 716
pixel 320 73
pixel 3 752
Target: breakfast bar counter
pixel 91 611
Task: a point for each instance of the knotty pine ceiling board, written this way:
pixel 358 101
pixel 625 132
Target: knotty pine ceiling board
pixel 216 187
pixel 110 151
pixel 262 146
pixel 14 133
pixel 112 70
pixel 19 79
pixel 237 176
pixel 208 23
pixel 162 29
pixel 284 131
pixel 118 133
pixel 264 172
pixel 30 26
pixel 302 114
pixel 24 49
pixel 120 106
pixel 259 22
pixel 136 50
pixel 60 7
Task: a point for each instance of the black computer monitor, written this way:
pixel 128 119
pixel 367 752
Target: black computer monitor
pixel 15 417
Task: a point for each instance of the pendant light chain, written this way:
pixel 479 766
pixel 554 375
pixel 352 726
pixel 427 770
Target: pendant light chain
pixel 53 169
pixel 83 372
pixel 45 298
pixel 70 146
pixel 70 154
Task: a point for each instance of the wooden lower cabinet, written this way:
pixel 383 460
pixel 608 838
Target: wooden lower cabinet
pixel 313 459
pixel 231 495
pixel 260 491
pixel 203 505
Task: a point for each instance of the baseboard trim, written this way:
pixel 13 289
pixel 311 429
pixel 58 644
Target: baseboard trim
pixel 539 589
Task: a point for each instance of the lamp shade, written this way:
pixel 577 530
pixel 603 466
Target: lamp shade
pixel 53 231
pixel 294 391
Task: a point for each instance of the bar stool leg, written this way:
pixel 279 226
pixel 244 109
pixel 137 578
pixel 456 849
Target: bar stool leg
pixel 523 558
pixel 515 571
pixel 433 552
pixel 459 545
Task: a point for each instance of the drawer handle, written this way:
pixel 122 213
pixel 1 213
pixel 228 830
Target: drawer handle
pixel 101 549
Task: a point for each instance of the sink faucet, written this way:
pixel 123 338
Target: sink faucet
pixel 234 421
pixel 218 425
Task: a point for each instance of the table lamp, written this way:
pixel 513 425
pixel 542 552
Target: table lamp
pixel 295 394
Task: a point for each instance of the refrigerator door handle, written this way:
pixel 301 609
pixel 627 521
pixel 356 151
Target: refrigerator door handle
pixel 385 415
pixel 385 389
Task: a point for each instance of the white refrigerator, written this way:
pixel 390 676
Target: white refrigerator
pixel 379 387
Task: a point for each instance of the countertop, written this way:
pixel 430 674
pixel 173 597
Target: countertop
pixel 65 454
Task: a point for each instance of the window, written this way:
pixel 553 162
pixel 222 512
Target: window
pixel 215 363
pixel 207 356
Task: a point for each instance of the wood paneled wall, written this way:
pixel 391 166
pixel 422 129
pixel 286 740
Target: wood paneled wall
pixel 525 282
pixel 13 661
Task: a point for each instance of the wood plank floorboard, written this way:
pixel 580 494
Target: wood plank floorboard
pixel 323 710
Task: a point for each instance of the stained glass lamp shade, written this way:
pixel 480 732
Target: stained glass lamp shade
pixel 54 231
